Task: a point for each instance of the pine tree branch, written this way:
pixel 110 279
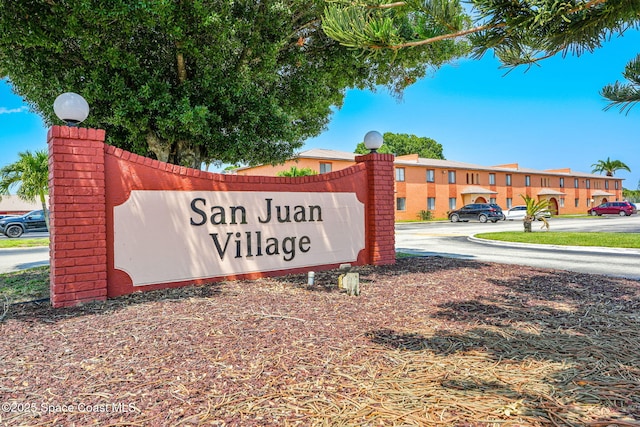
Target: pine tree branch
pixel 440 38
pixel 388 5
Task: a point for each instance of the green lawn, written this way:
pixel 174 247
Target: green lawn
pixel 24 285
pixel 611 240
pixel 23 243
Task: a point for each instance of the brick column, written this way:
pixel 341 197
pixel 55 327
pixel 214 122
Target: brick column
pixel 78 246
pixel 381 209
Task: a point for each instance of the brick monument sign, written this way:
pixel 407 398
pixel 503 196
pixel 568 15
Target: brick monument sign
pixel 122 223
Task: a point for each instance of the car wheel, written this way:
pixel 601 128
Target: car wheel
pixel 622 213
pixel 482 218
pixel 13 231
pixel 594 213
pixel 494 221
pixel 454 218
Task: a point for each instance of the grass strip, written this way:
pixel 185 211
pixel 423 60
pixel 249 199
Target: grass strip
pixel 23 243
pixel 25 285
pixel 609 240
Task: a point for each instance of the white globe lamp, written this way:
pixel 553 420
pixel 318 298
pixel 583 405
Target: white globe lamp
pixel 373 140
pixel 71 108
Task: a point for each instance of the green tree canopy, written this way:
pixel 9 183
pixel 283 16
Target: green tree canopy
pixel 213 81
pixel 609 167
pixel 29 176
pixel 402 144
pixel 518 31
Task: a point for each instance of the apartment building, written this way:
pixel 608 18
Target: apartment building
pixel 440 186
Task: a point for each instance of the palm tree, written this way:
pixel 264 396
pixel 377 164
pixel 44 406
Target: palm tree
pixel 609 166
pixel 534 211
pixel 31 175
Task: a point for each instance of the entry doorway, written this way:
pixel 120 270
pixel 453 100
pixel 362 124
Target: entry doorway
pixel 553 206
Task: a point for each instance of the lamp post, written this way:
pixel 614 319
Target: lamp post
pixel 373 140
pixel 71 108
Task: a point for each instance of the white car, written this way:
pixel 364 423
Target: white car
pixel 518 212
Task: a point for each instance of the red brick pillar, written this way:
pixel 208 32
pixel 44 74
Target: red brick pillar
pixel 381 210
pixel 78 215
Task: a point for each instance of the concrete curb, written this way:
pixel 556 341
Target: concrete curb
pixel 592 249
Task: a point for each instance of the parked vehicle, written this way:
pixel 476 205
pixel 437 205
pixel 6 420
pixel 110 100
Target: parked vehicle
pixel 520 211
pixel 483 212
pixel 17 225
pixel 613 208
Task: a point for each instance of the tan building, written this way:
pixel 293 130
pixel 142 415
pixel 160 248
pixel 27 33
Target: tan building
pixel 440 186
pixel 14 205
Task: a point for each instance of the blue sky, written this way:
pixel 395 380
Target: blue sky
pixel 548 117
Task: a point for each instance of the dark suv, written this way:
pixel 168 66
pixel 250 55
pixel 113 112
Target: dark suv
pixel 483 212
pixel 614 208
pixel 15 226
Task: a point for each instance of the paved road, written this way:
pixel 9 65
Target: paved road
pixel 453 240
pixel 21 258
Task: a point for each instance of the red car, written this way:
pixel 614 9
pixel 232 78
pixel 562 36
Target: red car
pixel 613 208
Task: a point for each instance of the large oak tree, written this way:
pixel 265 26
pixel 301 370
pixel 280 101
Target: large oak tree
pixel 193 81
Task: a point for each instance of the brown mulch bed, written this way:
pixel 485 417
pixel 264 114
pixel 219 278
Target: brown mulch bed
pixel 429 342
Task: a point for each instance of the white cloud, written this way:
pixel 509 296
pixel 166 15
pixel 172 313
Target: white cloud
pixel 22 109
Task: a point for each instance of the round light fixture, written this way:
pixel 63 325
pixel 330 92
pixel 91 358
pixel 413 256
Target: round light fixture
pixel 71 108
pixel 373 140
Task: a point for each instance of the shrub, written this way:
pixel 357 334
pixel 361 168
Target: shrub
pixel 425 215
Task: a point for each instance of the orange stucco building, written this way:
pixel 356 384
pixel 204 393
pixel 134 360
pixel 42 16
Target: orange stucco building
pixel 440 186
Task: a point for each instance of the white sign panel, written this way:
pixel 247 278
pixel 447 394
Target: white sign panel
pixel 172 236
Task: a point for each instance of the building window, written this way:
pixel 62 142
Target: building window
pixel 509 202
pixel 492 179
pixel 588 183
pixel 544 182
pixel 616 185
pixel 561 182
pixel 508 180
pixel 431 175
pixel 527 181
pixel 400 175
pixel 492 200
pixel 452 203
pixel 606 185
pixel 452 177
pixel 401 203
pixel 431 203
pixel 473 178
pixel 562 202
pixel 588 202
pixel 325 167
pixel 577 203
pixel 576 184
